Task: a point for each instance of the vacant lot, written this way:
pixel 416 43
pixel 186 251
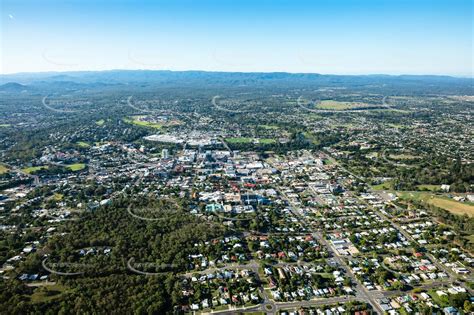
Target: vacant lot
pixel 440 201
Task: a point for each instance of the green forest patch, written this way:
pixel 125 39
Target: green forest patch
pixel 429 187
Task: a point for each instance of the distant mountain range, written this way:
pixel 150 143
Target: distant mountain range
pixel 97 79
pixel 12 87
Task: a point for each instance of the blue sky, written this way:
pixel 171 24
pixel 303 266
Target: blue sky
pixel 323 36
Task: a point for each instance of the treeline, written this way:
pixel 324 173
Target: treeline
pixel 108 286
pixel 463 225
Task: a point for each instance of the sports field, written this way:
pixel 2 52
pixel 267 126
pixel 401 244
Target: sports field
pixel 336 105
pixel 76 167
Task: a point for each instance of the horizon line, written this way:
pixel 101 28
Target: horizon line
pixel 466 76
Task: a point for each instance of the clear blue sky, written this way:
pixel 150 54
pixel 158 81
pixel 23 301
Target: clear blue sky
pixel 323 36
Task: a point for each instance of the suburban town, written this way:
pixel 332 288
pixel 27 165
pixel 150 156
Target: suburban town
pixel 237 157
pixel 268 220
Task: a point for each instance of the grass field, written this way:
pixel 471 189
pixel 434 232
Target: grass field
pixel 470 238
pixel 137 120
pixel 48 293
pixel 372 155
pixel 76 167
pixel 239 140
pixel 441 301
pixel 336 105
pixel 402 156
pixel 33 169
pixel 311 137
pixel 147 124
pixel 100 122
pixel 450 205
pixel 57 197
pixel 83 144
pixel 3 169
pixel 269 127
pixel 267 141
pixel 388 185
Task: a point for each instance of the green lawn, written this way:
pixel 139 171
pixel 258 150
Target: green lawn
pixel 396 126
pixel 267 141
pixel 388 185
pixel 57 197
pixel 83 144
pixel 136 121
pixel 470 238
pixel 47 293
pixel 3 169
pixel 76 167
pixel 33 169
pixel 239 140
pixel 269 127
pixel 441 301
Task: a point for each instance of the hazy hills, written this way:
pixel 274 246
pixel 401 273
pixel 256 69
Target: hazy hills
pixel 150 78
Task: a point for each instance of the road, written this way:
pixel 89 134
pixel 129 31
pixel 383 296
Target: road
pixel 36 180
pixel 362 292
pixel 381 215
